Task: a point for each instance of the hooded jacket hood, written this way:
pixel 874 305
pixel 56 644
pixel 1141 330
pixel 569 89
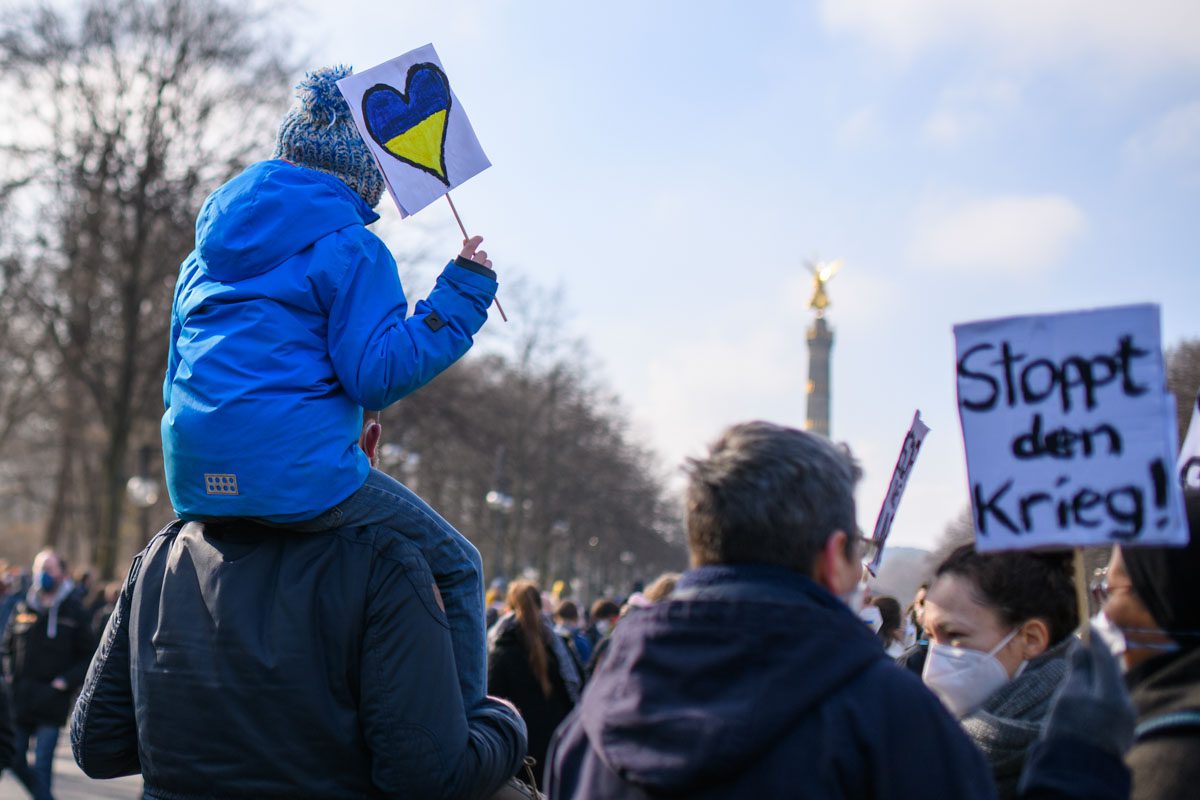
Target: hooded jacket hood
pixel 697 687
pixel 269 213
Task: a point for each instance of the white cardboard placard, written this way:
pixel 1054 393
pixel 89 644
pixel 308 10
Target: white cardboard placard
pixel 904 464
pixel 1069 431
pixel 1188 464
pixel 415 127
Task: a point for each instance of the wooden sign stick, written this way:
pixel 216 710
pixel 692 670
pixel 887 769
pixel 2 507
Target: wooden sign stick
pixel 1081 596
pixel 463 228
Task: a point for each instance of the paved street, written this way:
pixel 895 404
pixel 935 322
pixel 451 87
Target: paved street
pixel 71 784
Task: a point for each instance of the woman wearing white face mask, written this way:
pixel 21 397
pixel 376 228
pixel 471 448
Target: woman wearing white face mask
pixel 999 626
pixel 1151 621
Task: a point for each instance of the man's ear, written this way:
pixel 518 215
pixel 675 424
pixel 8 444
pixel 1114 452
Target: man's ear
pixel 830 570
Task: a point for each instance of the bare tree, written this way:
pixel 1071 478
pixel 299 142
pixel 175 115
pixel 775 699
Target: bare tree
pixel 1183 379
pixel 123 114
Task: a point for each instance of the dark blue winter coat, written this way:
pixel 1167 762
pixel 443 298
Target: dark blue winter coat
pixel 755 682
pixel 289 320
pixel 244 661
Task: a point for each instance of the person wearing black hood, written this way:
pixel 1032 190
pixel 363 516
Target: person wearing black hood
pixel 1151 621
pixel 755 679
pixel 47 646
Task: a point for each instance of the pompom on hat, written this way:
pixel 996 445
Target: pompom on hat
pixel 319 133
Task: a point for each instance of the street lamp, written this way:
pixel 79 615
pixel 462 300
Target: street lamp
pixel 499 501
pixel 142 491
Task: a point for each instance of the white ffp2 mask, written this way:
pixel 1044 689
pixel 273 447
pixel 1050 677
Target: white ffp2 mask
pixel 963 679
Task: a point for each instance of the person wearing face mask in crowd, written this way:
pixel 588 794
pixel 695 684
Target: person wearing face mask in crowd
pixel 1000 626
pixel 1151 621
pixel 46 649
pixel 603 615
pixel 754 678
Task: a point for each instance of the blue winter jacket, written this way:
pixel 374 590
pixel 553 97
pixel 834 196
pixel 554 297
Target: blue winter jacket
pixel 755 682
pixel 289 320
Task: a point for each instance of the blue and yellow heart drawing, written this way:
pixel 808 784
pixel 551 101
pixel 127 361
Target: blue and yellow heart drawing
pixel 411 125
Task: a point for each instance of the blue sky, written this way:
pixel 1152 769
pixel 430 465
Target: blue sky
pixel 673 164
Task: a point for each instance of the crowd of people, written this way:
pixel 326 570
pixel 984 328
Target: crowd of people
pixel 310 628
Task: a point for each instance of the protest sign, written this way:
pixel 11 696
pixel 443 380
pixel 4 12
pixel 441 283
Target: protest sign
pixel 1069 431
pixel 415 127
pixel 1188 464
pixel 904 465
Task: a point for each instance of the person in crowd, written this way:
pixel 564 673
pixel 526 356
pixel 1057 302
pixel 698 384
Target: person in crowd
pixel 914 617
pixel 46 649
pixel 891 629
pixel 10 593
pixel 601 619
pixel 8 736
pixel 246 661
pixel 1000 625
pixel 661 587
pixel 290 315
pixel 754 678
pixel 872 617
pixel 566 618
pixel 83 589
pixel 1089 728
pixel 109 593
pixel 1151 621
pixel 530 666
pixel 916 649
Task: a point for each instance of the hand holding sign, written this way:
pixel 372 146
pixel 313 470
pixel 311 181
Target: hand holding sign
pixel 418 132
pixel 471 251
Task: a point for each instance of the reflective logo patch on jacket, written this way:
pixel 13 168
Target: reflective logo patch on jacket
pixel 220 483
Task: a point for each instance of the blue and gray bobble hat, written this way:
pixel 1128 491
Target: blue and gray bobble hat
pixel 319 133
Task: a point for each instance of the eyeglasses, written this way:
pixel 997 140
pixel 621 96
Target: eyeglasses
pixel 868 547
pixel 1102 590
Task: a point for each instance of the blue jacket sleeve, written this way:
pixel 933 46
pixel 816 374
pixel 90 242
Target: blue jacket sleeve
pixel 422 741
pixel 379 353
pixel 104 738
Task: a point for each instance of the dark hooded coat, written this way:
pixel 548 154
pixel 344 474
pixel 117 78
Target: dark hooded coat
pixel 753 681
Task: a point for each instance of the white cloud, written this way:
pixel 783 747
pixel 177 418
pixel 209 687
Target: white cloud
pixel 1172 140
pixel 1146 36
pixel 966 110
pixel 1002 234
pixel 943 127
pixel 861 127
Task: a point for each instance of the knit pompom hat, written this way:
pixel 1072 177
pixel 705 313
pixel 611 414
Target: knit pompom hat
pixel 319 133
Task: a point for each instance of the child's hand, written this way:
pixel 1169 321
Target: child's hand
pixel 369 440
pixel 471 252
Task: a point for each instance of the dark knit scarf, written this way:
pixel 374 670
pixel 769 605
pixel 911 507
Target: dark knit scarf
pixel 1009 722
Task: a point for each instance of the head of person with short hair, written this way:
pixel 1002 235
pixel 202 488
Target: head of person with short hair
pixel 891 627
pixel 602 617
pixel 999 626
pixel 916 610
pixel 754 677
pixel 1150 620
pixel 567 613
pixel 771 495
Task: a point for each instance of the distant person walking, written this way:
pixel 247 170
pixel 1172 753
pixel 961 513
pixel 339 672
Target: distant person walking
pixel 47 646
pixel 529 665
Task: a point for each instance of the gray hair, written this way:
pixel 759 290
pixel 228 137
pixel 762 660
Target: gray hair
pixel 767 494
